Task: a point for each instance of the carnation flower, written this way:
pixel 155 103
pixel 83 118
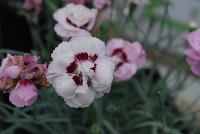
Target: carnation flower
pixel 74 20
pixel 193 53
pixel 19 76
pixel 128 57
pixel 80 71
pixel 33 4
pixel 100 4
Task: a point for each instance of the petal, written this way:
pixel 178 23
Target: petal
pixel 13 71
pixel 92 18
pixel 65 33
pixel 194 40
pixel 196 69
pixel 65 87
pixel 24 94
pixel 193 54
pixel 71 104
pixel 114 44
pixel 87 44
pixel 63 54
pixel 141 60
pixel 54 70
pixel 61 15
pixel 125 71
pixel 192 62
pixel 103 74
pixel 84 100
pixel 133 51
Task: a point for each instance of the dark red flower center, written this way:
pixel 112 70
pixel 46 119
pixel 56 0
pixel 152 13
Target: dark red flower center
pixel 81 57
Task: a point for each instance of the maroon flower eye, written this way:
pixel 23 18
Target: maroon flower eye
pixel 71 23
pixel 121 53
pixel 85 25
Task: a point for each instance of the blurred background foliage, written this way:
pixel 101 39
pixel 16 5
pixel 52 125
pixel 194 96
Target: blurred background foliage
pixel 143 105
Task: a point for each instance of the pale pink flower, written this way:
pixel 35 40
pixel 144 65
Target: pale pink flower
pixel 74 20
pixel 80 71
pixel 100 4
pixel 33 4
pixel 77 1
pixel 24 94
pixel 193 53
pixel 128 57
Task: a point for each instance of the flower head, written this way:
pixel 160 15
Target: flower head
pixel 18 73
pixel 74 20
pixel 127 56
pixel 80 71
pixel 33 4
pixel 100 4
pixel 193 53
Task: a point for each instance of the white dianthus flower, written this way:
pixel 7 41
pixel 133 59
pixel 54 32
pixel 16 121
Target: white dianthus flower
pixel 80 71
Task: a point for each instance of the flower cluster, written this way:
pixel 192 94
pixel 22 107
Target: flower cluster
pixel 80 71
pixel 193 53
pixel 19 76
pixel 82 68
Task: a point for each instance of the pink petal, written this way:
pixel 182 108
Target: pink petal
pixel 125 72
pixel 192 54
pixel 141 60
pixel 133 51
pixel 64 33
pixel 114 44
pixel 24 94
pixel 194 39
pixel 13 71
pixel 196 69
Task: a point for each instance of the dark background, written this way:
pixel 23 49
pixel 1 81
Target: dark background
pixel 14 31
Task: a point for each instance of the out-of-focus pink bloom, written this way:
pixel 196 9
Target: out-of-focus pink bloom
pixel 193 53
pixel 140 2
pixel 33 4
pixel 78 1
pixel 127 56
pixel 100 4
pixel 9 70
pixel 74 20
pixel 24 94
